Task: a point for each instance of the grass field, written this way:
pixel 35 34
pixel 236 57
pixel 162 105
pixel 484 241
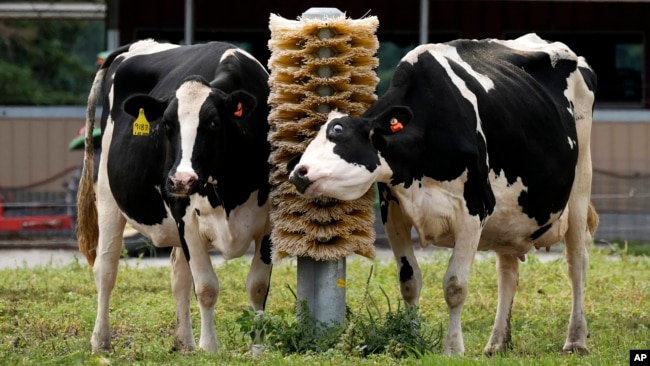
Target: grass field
pixel 47 313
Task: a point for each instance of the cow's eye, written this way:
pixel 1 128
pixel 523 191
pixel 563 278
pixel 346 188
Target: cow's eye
pixel 337 128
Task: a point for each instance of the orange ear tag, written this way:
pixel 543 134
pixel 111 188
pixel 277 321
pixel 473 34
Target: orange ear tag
pixel 396 125
pixel 239 111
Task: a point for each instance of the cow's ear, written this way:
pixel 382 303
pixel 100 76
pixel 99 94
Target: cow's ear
pixel 240 104
pixel 394 119
pixel 153 108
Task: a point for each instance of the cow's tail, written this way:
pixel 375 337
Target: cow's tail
pixel 592 219
pixel 87 225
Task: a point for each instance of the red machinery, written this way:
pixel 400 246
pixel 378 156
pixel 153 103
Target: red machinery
pixel 19 223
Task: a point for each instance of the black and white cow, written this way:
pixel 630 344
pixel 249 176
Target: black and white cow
pixel 479 145
pixel 184 161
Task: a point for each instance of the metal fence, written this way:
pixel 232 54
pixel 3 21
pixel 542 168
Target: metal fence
pixel 622 202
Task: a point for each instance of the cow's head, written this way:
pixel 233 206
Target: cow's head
pixel 197 119
pixel 345 157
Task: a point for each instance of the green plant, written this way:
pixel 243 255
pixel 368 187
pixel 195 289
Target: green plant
pixel 255 325
pixel 624 248
pixel 302 335
pixel 396 333
pixel 400 335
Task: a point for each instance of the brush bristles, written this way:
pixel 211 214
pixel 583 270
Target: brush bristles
pixel 323 229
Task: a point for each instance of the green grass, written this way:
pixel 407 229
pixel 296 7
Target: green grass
pixel 624 247
pixel 47 314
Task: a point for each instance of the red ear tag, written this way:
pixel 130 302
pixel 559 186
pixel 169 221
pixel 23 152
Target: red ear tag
pixel 396 125
pixel 239 111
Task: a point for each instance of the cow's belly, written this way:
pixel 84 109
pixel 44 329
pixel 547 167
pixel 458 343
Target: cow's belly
pixel 230 234
pixel 510 230
pixel 435 209
pixel 506 233
pixel 161 235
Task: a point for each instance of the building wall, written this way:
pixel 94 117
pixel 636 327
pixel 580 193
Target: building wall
pixel 621 147
pixel 621 164
pixel 34 152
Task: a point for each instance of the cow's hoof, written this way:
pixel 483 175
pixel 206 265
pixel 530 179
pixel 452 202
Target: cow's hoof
pixel 209 347
pixel 183 347
pixel 575 347
pixel 100 350
pixel 496 348
pixel 257 350
pixel 453 351
pixel 97 346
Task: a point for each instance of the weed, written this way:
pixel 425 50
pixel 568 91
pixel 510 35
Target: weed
pixel 303 335
pixel 397 333
pixel 623 248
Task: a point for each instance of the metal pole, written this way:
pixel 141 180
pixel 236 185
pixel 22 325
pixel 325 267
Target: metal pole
pixel 321 284
pixel 189 22
pixel 112 25
pixel 424 21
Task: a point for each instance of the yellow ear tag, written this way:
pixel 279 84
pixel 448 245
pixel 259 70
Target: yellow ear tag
pixel 141 125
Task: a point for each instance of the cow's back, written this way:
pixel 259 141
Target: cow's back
pixel 528 120
pixel 506 113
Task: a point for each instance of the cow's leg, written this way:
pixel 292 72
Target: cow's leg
pixel 111 229
pixel 398 231
pixel 577 256
pixel 508 273
pixel 259 276
pixel 182 289
pixel 455 282
pixel 578 235
pixel 206 287
pixel 258 282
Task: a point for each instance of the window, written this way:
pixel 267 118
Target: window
pixel 629 67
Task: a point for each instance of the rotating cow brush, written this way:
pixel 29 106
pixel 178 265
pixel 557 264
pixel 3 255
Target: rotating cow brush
pixel 318 65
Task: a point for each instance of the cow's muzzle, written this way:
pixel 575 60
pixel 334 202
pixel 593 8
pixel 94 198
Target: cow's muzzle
pixel 181 183
pixel 299 178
